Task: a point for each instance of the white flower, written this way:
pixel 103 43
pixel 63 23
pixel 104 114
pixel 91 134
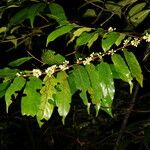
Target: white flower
pixel 87 60
pixel 18 74
pixel 135 42
pixel 146 37
pixel 79 60
pixel 110 29
pixel 50 70
pixel 36 72
pixel 64 66
pixel 126 42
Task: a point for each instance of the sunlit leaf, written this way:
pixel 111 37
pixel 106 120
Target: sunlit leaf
pixel 59 32
pixel 120 39
pixel 19 61
pixel 82 82
pixel 50 57
pixel 3 29
pixel 92 40
pixel 7 72
pixel 134 66
pixel 47 102
pixel 31 101
pixel 95 91
pixel 78 32
pixel 126 2
pixel 63 95
pixel 108 40
pixel 83 38
pixel 122 69
pixel 15 86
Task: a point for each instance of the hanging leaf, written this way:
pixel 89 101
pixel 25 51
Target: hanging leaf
pixel 95 90
pixel 19 61
pixel 120 39
pixel 122 69
pixel 63 95
pixel 139 17
pixel 83 39
pixel 126 2
pixel 27 13
pixel 31 101
pixel 107 84
pixel 135 9
pixel 59 32
pixel 7 72
pixel 134 66
pixel 12 39
pixel 3 88
pixel 3 29
pixel 92 40
pixel 108 40
pixel 82 82
pixel 78 32
pixel 47 102
pixel 58 12
pixel 15 86
pixel 50 57
pixel 113 7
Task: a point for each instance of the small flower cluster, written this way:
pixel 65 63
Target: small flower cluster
pixel 36 72
pixel 147 37
pixel 110 29
pixel 126 42
pixel 64 66
pixel 135 42
pixel 51 70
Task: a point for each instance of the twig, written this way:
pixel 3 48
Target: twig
pixel 124 123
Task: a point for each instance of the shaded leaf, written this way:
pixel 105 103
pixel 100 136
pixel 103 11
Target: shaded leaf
pixel 89 13
pixel 58 12
pixel 95 90
pixel 137 8
pixel 126 2
pixel 19 61
pixel 50 57
pixel 122 69
pixel 7 72
pixel 134 66
pixel 108 40
pixel 31 101
pixel 139 17
pixel 59 32
pixel 63 95
pixel 3 29
pixel 3 88
pixel 82 82
pixel 15 86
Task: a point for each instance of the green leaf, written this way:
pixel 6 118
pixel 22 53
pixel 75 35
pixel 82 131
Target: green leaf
pixel 7 72
pixel 122 69
pixel 137 8
pixel 3 88
pixel 27 13
pixel 50 57
pixel 107 84
pixel 19 61
pixel 113 7
pixel 3 29
pixel 82 82
pixel 90 13
pixel 31 101
pixel 134 66
pixel 108 40
pixel 58 11
pixel 95 91
pixel 78 32
pixel 120 38
pixel 92 40
pixel 47 102
pixel 14 87
pixel 59 32
pixel 12 39
pixel 83 39
pixel 139 17
pixel 126 2
pixel 63 95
